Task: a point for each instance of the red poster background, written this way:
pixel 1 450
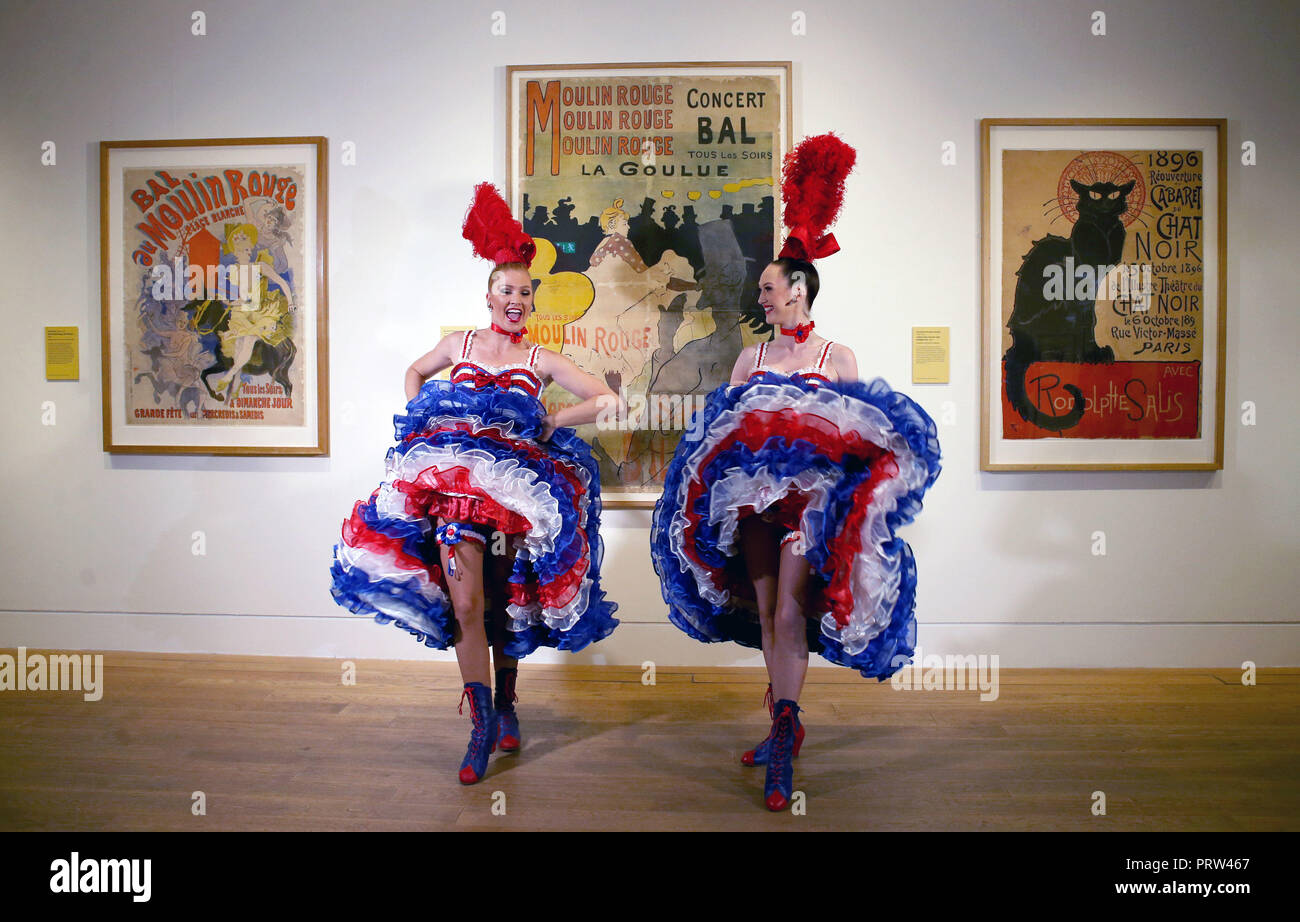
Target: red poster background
pixel 1124 400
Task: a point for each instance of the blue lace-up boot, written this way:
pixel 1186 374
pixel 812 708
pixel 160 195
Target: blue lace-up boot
pixel 778 786
pixel 483 738
pixel 507 721
pixel 758 755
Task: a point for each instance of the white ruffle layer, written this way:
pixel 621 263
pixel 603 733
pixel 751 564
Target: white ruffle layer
pixel 513 486
pixel 376 568
pixel 876 574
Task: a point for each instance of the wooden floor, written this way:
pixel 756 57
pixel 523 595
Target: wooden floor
pixel 283 744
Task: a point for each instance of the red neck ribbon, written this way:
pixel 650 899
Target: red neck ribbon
pixel 800 333
pixel 515 337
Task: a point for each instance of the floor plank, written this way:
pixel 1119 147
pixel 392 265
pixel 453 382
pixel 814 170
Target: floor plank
pixel 280 743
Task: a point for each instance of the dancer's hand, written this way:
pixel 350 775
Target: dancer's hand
pixel 548 427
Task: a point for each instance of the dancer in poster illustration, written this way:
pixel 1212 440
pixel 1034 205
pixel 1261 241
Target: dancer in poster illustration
pixel 485 532
pixel 776 528
pixel 618 341
pixel 260 315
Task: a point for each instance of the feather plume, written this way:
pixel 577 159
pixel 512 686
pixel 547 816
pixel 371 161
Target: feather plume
pixel 493 230
pixel 812 190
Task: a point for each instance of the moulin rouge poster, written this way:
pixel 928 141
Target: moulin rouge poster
pixel 214 311
pixel 213 259
pixel 653 195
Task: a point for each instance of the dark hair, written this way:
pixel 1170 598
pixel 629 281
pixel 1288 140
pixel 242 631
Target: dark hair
pixel 506 267
pixel 789 266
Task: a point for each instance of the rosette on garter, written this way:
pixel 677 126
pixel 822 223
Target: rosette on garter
pixel 471 455
pixel 846 464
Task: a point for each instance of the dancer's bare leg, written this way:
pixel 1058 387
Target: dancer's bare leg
pixel 788 661
pixel 759 541
pixel 466 591
pixel 243 352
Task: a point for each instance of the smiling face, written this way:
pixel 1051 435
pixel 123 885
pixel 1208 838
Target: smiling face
pixel 781 305
pixel 511 298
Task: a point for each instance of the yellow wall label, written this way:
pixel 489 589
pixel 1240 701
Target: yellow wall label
pixel 61 354
pixel 929 355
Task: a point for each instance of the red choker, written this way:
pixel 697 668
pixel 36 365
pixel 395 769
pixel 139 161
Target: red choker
pixel 800 333
pixel 515 337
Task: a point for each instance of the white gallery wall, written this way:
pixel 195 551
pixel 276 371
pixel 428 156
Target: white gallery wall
pixel 1200 568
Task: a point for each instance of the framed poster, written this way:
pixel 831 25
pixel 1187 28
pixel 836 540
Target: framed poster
pixel 1104 294
pixel 652 191
pixel 213 297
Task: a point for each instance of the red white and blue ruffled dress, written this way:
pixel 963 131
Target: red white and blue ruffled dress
pixel 839 466
pixel 467 452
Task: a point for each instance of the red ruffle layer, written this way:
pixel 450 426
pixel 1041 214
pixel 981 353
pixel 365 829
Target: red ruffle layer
pixel 753 431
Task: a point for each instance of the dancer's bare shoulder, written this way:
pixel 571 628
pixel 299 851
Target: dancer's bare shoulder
pixel 744 362
pixel 844 363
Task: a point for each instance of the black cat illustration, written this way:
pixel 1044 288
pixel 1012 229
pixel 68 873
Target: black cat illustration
pixel 1063 329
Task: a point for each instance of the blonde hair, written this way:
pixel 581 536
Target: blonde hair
pixel 609 214
pixel 507 267
pixel 231 229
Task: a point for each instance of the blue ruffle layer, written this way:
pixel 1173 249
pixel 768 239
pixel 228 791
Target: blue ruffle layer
pixel 519 416
pixel 889 650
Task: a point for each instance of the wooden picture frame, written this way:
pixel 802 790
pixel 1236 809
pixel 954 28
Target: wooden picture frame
pixel 213 253
pixel 1086 366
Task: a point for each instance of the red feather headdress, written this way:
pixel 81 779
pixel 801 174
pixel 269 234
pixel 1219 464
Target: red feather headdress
pixel 812 190
pixel 493 230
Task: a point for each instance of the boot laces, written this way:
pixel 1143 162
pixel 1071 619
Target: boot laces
pixel 477 736
pixel 782 738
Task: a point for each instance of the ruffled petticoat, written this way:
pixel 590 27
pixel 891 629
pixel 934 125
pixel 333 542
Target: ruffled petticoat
pixel 470 455
pixel 845 464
